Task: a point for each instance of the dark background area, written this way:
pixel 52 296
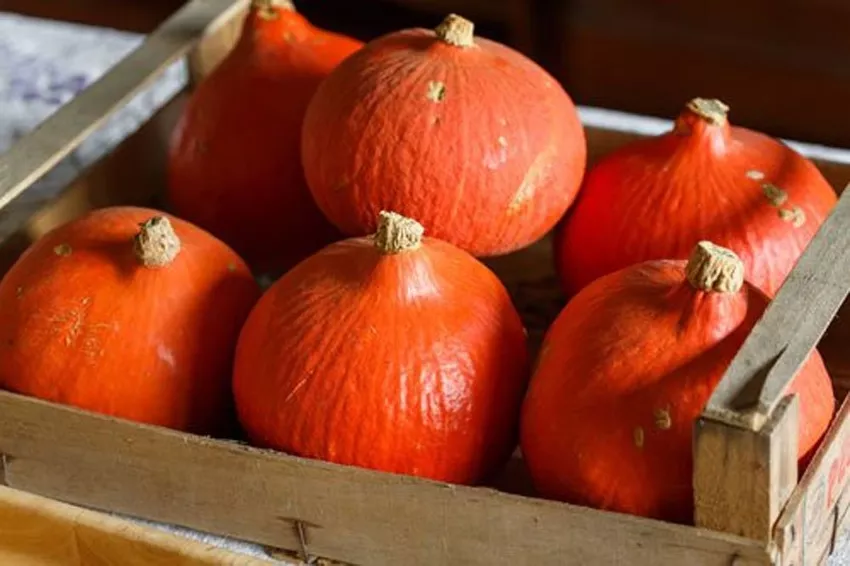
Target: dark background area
pixel 782 65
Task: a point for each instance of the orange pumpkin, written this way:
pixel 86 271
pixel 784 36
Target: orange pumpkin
pixel 705 179
pixel 626 369
pixel 394 352
pixel 464 134
pixel 130 313
pixel 235 161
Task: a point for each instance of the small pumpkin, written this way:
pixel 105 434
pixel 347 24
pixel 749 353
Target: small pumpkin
pixel 394 352
pixel 705 179
pixel 127 312
pixel 626 369
pixel 464 134
pixel 234 162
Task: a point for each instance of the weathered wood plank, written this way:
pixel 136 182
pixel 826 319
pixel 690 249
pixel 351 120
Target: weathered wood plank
pixel 349 514
pixel 743 478
pixel 820 503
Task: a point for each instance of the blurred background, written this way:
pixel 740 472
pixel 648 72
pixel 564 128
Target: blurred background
pixel 782 65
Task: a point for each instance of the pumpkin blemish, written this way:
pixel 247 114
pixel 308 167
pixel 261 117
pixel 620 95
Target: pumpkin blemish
pixel 774 194
pixel 534 177
pixel 794 215
pixel 63 250
pixel 662 419
pixel 19 292
pixel 639 437
pixel 436 91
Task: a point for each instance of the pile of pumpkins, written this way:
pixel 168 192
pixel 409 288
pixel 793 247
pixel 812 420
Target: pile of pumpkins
pixel 368 179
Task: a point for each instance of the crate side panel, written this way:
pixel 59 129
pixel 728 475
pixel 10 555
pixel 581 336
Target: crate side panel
pixel 820 503
pixel 349 514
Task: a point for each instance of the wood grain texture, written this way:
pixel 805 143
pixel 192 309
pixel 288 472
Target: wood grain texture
pixel 790 328
pixel 349 514
pixel 36 531
pixel 743 478
pixel 54 139
pixel 817 511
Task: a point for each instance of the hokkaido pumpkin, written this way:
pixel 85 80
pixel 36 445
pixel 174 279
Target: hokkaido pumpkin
pixel 626 369
pixel 130 313
pixel 234 164
pixel 393 352
pixel 705 179
pixel 464 134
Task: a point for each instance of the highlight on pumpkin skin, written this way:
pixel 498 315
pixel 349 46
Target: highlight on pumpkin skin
pixel 156 244
pixel 456 30
pixel 713 268
pixel 397 233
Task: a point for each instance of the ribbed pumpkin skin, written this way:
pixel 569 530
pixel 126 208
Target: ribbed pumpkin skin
pixel 83 323
pixel 235 161
pixel 656 198
pixel 413 363
pixel 624 371
pixel 479 144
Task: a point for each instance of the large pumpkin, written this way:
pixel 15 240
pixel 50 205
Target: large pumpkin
pixel 626 369
pixel 235 161
pixel 464 134
pixel 705 179
pixel 393 352
pixel 129 313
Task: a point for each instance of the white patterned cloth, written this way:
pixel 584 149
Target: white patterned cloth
pixel 44 64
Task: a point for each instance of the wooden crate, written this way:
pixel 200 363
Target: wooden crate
pixel 750 507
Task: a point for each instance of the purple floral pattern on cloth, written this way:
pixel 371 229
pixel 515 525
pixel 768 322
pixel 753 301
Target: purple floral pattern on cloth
pixel 58 89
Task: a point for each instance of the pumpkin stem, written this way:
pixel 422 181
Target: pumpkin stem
pixel 266 8
pixel 156 244
pixel 397 233
pixel 712 268
pixel 711 110
pixel 456 31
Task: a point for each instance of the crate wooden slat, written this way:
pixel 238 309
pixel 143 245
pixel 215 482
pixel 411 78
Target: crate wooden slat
pixel 365 517
pixel 349 514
